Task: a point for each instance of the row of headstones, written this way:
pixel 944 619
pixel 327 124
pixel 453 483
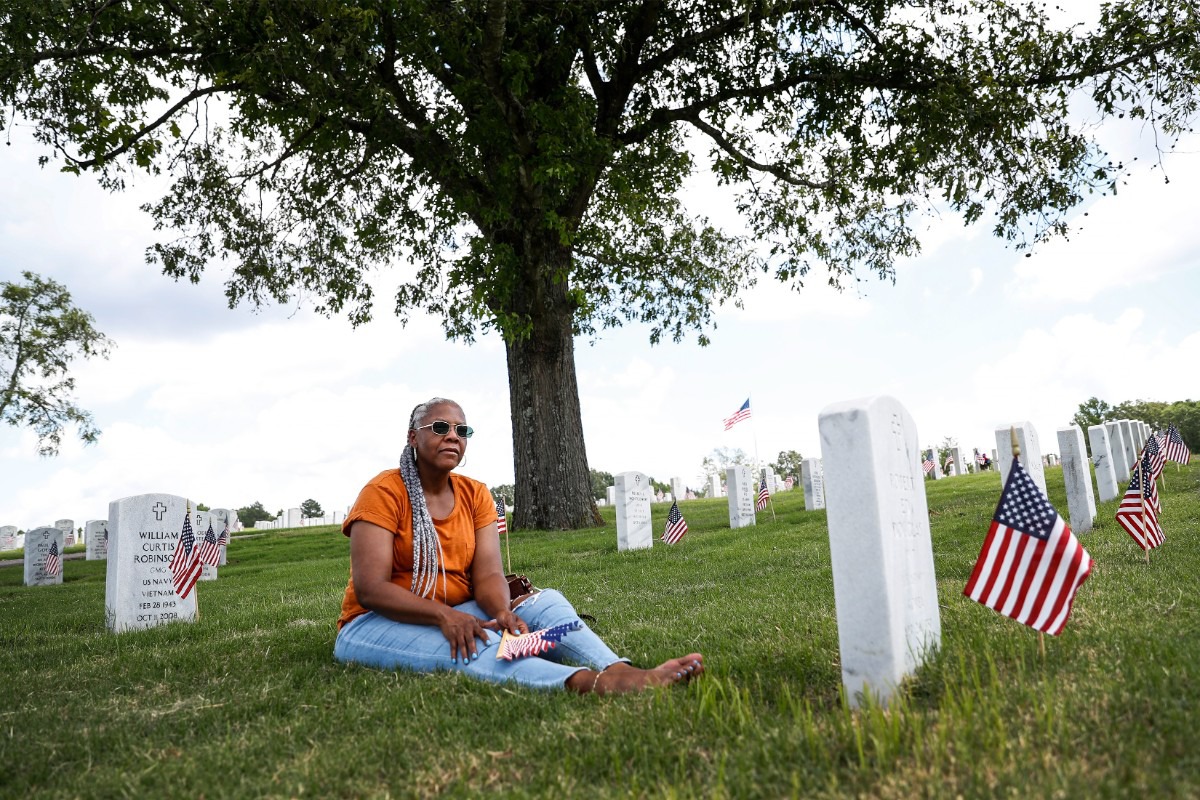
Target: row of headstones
pixel 42 543
pixel 293 518
pixel 632 495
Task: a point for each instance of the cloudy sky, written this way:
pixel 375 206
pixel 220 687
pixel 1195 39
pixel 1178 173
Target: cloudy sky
pixel 279 405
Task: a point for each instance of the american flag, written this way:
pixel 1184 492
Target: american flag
pixel 1031 564
pixel 209 551
pixel 1176 450
pixel 1139 508
pixel 534 643
pixel 676 525
pixel 763 495
pixel 185 566
pixel 501 519
pixel 1156 456
pixel 53 562
pixel 929 465
pixel 789 482
pixel 739 415
pixel 223 539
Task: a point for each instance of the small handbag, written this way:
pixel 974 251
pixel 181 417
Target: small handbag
pixel 518 585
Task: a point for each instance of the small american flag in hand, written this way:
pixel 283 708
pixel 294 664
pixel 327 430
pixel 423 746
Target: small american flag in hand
pixel 534 643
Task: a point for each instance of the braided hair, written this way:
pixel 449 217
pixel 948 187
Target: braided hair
pixel 427 548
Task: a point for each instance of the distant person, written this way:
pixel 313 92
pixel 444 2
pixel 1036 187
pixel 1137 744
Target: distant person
pixel 448 613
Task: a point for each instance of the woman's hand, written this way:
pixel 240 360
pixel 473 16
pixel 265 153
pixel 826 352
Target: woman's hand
pixel 461 630
pixel 507 621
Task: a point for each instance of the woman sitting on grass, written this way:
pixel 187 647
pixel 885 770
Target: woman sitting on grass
pixel 427 591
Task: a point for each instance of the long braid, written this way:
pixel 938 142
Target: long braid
pixel 427 548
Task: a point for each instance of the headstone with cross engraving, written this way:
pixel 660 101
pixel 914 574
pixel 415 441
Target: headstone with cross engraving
pixel 742 491
pixel 881 552
pixel 95 536
pixel 204 529
pixel 44 556
pixel 633 492
pixel 67 526
pixel 142 590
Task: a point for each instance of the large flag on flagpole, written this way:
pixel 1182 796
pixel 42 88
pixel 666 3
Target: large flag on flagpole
pixel 676 525
pixel 739 415
pixel 1031 564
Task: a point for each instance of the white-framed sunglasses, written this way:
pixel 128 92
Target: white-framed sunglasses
pixel 441 428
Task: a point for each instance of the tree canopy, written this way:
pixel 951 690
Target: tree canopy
pixel 527 158
pixel 41 333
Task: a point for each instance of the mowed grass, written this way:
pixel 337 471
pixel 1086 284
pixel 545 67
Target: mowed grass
pixel 248 702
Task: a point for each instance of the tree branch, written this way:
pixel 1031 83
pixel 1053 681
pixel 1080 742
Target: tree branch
pixel 773 169
pixel 148 129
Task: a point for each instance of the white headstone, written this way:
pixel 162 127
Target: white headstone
pixel 38 544
pixel 1102 459
pixel 1131 446
pixel 139 592
pixel 224 519
pixel 633 511
pixel 814 484
pixel 937 468
pixel 951 466
pixel 1031 452
pixel 1116 441
pixel 1139 435
pixel 678 489
pixel 881 552
pixel 994 459
pixel 714 485
pixel 8 537
pixel 204 524
pixel 67 526
pixel 612 495
pixel 292 518
pixel 960 465
pixel 742 491
pixel 96 538
pixel 1077 475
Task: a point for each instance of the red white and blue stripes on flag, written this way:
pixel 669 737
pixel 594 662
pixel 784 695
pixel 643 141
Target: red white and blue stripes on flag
pixel 676 525
pixel 763 495
pixel 185 566
pixel 53 565
pixel 929 465
pixel 209 551
pixel 739 415
pixel 501 518
pixel 534 643
pixel 1031 564
pixel 1176 450
pixel 1139 508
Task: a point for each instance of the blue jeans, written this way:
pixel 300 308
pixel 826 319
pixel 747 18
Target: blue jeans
pixel 376 641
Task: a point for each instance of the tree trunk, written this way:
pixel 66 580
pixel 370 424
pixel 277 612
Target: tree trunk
pixel 553 488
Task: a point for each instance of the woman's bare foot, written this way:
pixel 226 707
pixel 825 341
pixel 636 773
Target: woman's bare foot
pixel 621 678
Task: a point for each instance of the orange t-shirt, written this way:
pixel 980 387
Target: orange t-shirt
pixel 384 502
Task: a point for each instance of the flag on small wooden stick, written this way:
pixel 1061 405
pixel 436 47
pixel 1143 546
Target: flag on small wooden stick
pixel 676 525
pixel 763 495
pixel 1031 564
pixel 1140 507
pixel 1176 450
pixel 501 518
pixel 53 564
pixel 533 643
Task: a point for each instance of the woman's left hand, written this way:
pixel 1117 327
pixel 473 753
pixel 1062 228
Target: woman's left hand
pixel 507 621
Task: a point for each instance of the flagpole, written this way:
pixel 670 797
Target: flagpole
pixel 187 510
pixel 1016 450
pixel 507 550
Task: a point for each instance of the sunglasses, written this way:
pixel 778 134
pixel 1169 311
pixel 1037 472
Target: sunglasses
pixel 441 428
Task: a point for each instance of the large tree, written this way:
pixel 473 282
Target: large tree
pixel 41 333
pixel 526 157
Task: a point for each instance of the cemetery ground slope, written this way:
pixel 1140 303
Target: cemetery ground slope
pixel 247 701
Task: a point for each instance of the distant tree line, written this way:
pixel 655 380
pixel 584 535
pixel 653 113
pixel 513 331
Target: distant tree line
pixel 1185 414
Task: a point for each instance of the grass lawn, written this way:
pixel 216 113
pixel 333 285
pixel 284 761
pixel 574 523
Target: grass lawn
pixel 247 702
